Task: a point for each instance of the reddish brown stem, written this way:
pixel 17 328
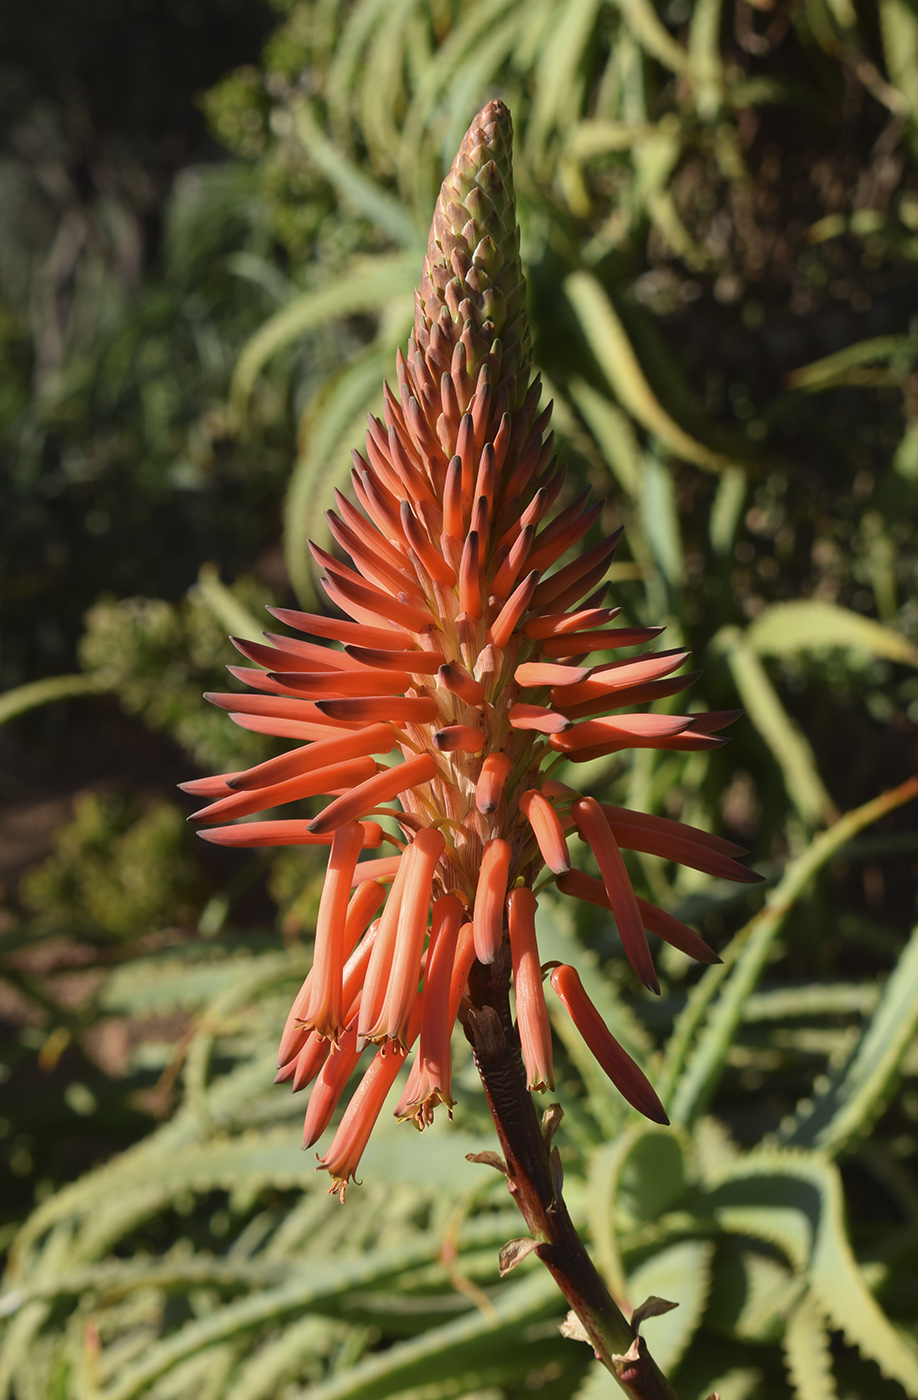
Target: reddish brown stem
pixel 533 1171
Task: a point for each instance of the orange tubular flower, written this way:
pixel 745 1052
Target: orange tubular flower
pixel 466 656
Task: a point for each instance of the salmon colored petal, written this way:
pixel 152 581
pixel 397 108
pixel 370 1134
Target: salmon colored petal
pixel 385 868
pixel 628 698
pixel 456 679
pixel 676 933
pixel 665 926
pixel 310 1061
pixel 336 629
pixel 537 717
pixel 517 604
pixel 329 1087
pixel 282 833
pixel 349 1143
pixel 409 709
pixel 376 981
pixel 491 782
pixel 595 830
pixel 488 917
pixel 470 577
pixel 324 780
pixel 540 673
pixel 516 558
pixel 605 680
pixel 577 575
pixel 377 604
pixel 620 732
pixel 273 706
pixel 628 1078
pixel 402 989
pixel 218 785
pixel 281 658
pixel 531 1013
pixel 459 738
pixel 419 663
pixel 430 1083
pixel 324 1010
pixel 547 829
pixel 381 788
pixel 630 826
pixel 376 739
pixel 558 624
pixel 305 730
pixel 318 685
pixel 462 967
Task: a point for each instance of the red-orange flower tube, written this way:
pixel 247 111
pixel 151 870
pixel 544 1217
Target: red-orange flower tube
pixel 439 709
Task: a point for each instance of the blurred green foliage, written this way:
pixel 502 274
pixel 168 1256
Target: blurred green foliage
pixel 110 876
pixel 719 203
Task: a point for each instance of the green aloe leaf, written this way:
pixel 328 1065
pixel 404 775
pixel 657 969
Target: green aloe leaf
pixel 681 1273
pixel 461 1349
pixel 844 365
pixel 644 23
pixel 606 337
pixel 614 434
pixel 367 286
pixel 794 1200
pixel 223 604
pixel 356 187
pixel 45 692
pixel 899 32
pixel 858 1090
pixel 636 1179
pixel 697 1051
pixel 333 425
pixel 811 624
pixel 787 743
pixel 806 1346
pixel 752 1293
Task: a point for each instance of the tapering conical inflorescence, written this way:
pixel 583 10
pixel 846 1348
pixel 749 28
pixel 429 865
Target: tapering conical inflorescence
pixel 463 676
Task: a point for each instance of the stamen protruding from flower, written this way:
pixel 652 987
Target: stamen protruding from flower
pixel 430 1082
pixel 348 1145
pixel 329 1087
pixel 627 1076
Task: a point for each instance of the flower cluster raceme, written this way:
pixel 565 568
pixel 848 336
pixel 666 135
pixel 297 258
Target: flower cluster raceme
pixel 462 676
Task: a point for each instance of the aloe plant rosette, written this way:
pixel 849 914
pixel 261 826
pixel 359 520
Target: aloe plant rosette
pixel 461 678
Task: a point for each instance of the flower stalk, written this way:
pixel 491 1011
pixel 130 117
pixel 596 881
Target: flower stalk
pixel 534 1178
pixel 456 684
